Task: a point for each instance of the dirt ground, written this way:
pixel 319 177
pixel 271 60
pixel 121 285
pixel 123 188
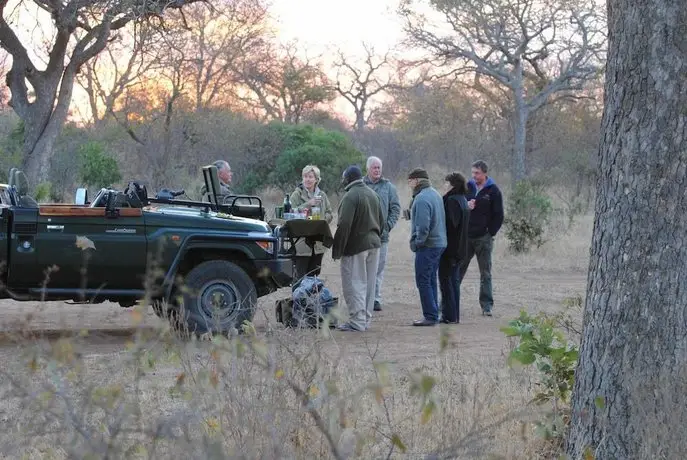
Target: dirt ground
pixel 537 282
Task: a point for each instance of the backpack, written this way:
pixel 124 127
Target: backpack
pixel 309 304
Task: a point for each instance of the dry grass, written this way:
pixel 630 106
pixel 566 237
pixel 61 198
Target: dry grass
pixel 275 393
pixel 299 403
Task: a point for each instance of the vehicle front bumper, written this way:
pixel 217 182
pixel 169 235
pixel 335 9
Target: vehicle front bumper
pixel 279 270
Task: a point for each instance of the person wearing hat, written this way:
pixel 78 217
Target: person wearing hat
pixel 427 241
pixel 356 242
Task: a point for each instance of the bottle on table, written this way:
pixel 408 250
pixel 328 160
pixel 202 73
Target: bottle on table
pixel 287 204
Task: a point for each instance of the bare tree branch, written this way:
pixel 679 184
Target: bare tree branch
pixel 534 50
pixel 284 86
pixel 130 55
pixel 359 84
pixel 91 24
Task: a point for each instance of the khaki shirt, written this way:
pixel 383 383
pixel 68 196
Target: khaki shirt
pixel 299 198
pixel 224 191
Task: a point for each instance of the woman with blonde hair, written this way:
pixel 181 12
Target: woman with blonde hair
pixel 308 195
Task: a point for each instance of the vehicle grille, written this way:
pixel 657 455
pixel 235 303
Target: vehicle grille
pixel 25 227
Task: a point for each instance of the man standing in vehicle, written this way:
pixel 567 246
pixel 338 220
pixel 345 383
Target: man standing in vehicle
pixel 486 217
pixel 225 175
pixel 356 242
pixel 391 210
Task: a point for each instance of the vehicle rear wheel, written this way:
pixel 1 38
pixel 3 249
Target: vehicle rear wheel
pixel 217 297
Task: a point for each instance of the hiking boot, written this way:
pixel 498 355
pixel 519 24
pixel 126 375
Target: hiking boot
pixel 486 313
pixel 378 306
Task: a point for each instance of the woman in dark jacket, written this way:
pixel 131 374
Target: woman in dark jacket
pixel 457 218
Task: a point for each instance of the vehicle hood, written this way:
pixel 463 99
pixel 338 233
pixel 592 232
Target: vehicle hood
pixel 182 217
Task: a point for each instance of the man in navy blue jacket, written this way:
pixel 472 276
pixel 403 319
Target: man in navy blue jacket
pixel 486 217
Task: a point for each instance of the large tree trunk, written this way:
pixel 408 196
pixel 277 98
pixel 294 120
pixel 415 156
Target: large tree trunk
pixel 630 395
pixel 520 116
pixel 40 136
pixel 38 149
pixel 360 118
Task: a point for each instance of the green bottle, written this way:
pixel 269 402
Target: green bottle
pixel 287 204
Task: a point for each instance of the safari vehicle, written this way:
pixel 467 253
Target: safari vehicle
pixel 213 259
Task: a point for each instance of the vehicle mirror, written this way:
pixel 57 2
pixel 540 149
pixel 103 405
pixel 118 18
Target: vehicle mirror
pixel 81 196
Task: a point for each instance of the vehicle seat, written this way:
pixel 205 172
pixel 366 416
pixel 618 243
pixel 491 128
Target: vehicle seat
pixel 137 195
pixel 22 184
pixel 10 177
pixel 250 211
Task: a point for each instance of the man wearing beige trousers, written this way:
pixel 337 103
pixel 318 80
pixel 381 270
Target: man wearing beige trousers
pixel 356 242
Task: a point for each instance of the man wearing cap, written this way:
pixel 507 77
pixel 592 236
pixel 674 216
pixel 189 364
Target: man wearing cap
pixel 427 241
pixel 356 242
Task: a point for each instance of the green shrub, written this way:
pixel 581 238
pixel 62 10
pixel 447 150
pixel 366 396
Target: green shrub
pixel 11 152
pixel 555 358
pixel 529 212
pixel 300 145
pixel 97 168
pixel 43 192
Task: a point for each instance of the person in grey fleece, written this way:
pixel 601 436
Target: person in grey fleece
pixel 428 241
pixel 391 208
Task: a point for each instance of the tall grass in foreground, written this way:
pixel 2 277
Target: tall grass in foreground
pixel 279 394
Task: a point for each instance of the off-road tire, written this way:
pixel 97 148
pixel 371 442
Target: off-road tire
pixel 234 288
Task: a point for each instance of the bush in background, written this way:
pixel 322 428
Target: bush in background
pixel 97 168
pixel 528 213
pixel 300 145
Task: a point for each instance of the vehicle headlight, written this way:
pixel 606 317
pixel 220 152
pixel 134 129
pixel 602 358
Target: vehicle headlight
pixel 268 246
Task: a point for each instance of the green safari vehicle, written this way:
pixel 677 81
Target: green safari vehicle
pixel 204 264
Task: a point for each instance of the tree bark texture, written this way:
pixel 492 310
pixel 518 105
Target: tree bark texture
pixel 630 394
pixel 521 112
pixel 42 131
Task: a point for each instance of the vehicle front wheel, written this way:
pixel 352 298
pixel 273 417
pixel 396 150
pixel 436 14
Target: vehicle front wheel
pixel 217 297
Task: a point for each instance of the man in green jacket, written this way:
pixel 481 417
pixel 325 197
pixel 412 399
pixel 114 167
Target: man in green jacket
pixel 391 209
pixel 356 242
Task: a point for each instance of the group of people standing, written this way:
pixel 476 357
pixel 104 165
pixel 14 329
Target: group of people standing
pixel 368 211
pixel 446 233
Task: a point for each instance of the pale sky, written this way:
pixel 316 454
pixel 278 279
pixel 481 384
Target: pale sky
pixel 322 26
pixel 319 23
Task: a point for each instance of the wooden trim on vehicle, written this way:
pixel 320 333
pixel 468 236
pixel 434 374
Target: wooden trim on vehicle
pixel 82 211
pixel 60 205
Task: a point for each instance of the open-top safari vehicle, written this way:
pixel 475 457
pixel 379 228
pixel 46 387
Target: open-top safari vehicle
pixel 205 262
